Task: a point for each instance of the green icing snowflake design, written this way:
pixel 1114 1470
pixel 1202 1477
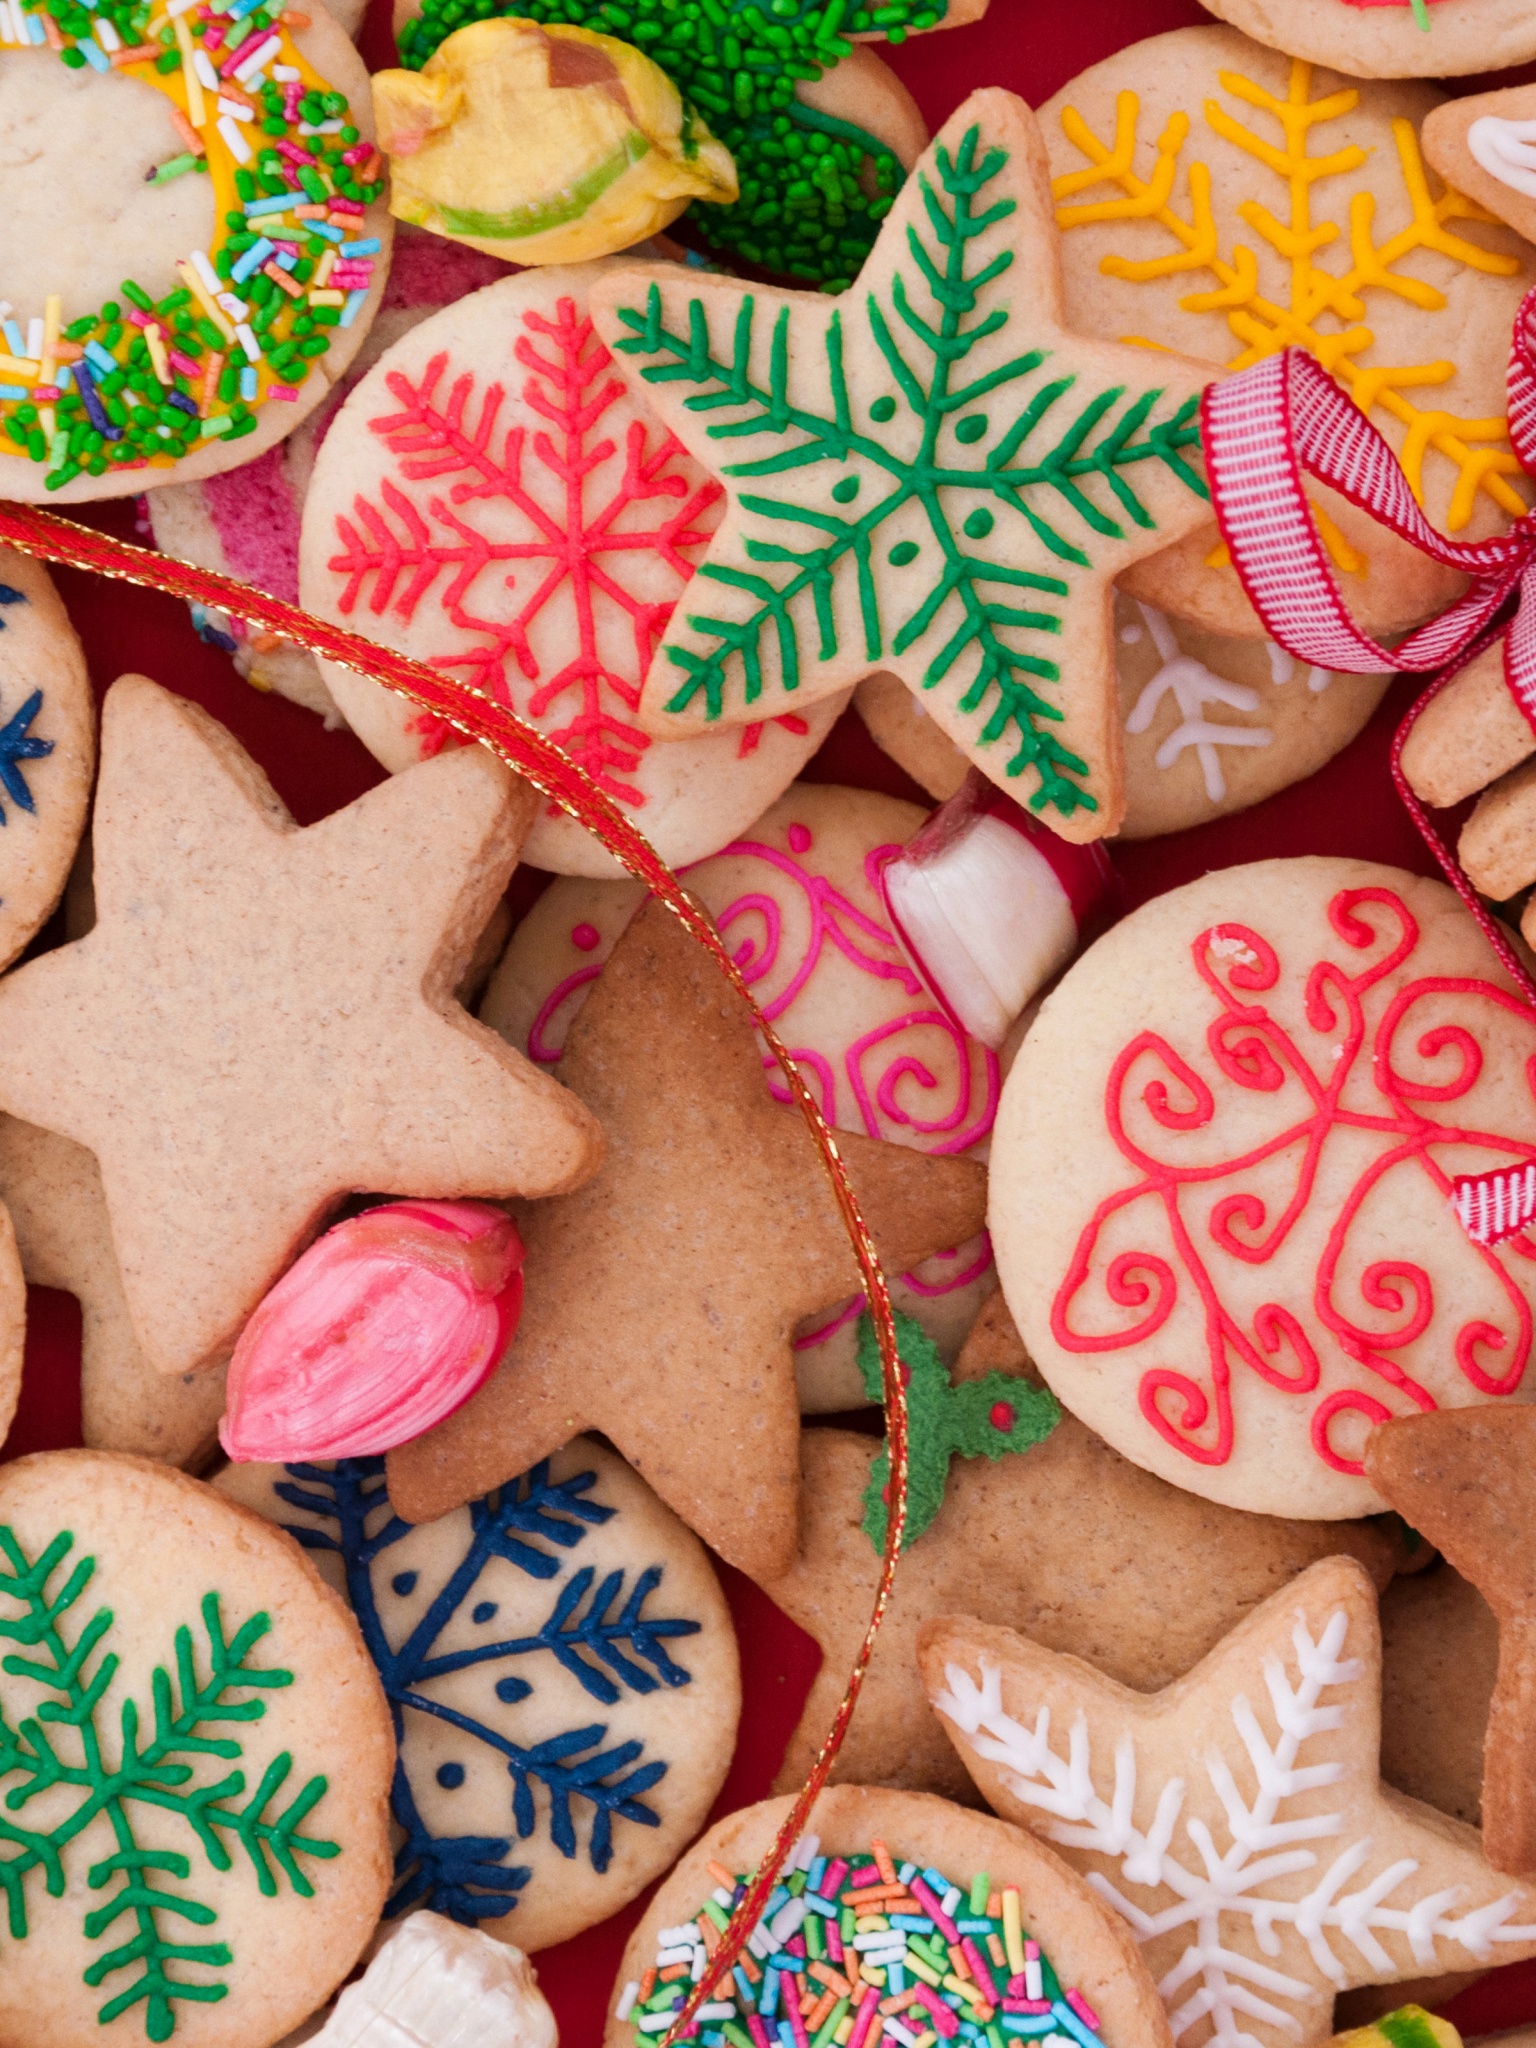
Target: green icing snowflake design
pixel 165 1759
pixel 814 188
pixel 989 625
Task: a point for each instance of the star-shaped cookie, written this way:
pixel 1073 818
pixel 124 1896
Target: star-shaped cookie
pixel 929 475
pixel 1237 1818
pixel 1485 146
pixel 262 1019
pixel 660 1299
pixel 52 1188
pixel 1466 1479
pixel 1068 1540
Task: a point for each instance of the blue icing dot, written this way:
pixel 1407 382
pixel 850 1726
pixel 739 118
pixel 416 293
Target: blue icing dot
pixel 450 1776
pixel 510 1690
pixel 484 1611
pixel 403 1583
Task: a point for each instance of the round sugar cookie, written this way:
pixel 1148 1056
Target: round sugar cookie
pixel 47 749
pixel 245 523
pixel 796 899
pixel 1211 724
pixel 1385 38
pixel 1222 1175
pixel 1298 209
pixel 81 221
pixel 562 1671
pixel 492 500
pixel 1081 1947
pixel 195 1773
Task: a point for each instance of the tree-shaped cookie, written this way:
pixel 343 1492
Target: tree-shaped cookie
pixel 194 1765
pixel 1216 197
pixel 661 1298
pixel 263 1018
pixel 1466 1479
pixel 1236 1819
pixel 562 1673
pixel 929 475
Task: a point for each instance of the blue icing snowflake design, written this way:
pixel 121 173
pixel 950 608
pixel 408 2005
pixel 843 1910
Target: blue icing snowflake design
pixel 602 1637
pixel 17 742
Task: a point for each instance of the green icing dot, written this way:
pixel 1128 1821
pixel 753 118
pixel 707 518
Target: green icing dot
pixel 845 488
pixel 972 427
pixel 883 409
pixel 904 551
pixel 979 524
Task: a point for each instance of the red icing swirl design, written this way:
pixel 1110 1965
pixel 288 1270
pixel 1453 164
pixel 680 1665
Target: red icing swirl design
pixel 1379 1089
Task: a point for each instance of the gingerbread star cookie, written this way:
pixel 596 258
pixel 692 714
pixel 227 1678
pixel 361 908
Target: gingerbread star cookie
pixel 1466 1479
pixel 929 475
pixel 52 1189
pixel 1069 1541
pixel 660 1299
pixel 1485 145
pixel 262 1018
pixel 1236 1819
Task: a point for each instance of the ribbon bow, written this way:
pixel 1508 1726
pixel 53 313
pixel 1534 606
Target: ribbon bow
pixel 1261 429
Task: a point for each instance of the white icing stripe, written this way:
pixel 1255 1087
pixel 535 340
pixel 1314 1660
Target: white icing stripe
pixel 1193 686
pixel 1506 150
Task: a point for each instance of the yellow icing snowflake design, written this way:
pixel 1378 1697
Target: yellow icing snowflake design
pixel 1326 312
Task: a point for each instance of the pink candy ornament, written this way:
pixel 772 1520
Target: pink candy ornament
pixel 383 1327
pixel 990 905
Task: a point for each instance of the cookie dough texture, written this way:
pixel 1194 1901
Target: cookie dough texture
pixel 1386 41
pixel 1389 283
pixel 1192 1225
pixel 1439 1658
pixel 81 219
pixel 40 655
pixel 691 1727
pixel 161 1543
pixel 1089 1947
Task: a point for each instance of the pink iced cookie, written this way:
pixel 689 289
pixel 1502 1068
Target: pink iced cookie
pixel 493 501
pixel 796 899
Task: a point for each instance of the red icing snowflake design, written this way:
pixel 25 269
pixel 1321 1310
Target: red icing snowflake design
pixel 568 506
pixel 1379 1090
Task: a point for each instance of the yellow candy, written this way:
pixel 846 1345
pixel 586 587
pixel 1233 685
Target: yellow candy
pixel 1409 2027
pixel 543 145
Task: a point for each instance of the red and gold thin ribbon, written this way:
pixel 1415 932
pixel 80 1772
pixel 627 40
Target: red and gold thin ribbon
pixel 551 770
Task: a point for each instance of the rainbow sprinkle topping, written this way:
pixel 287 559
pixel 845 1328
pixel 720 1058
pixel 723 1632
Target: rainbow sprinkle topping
pixel 143 382
pixel 855 1951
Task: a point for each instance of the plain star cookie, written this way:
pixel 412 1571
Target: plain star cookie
pixel 561 1669
pixel 262 1018
pixel 1218 198
pixel 796 897
pixel 1466 1482
pixel 1068 1541
pixel 1211 724
pixel 661 1298
pixel 1222 1173
pixel 47 749
pixel 194 1763
pixel 1237 1818
pixel 162 324
pixel 895 1854
pixel 1391 38
pixel 492 500
pixel 930 475
pixel 52 1190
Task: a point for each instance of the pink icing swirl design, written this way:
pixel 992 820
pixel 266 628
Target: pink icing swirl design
pixel 1369 1090
pixel 879 1068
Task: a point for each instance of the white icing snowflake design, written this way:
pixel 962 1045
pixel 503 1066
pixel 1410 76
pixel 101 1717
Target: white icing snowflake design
pixel 1220 1886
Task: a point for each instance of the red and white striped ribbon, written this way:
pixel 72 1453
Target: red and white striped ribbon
pixel 1494 1206
pixel 1266 425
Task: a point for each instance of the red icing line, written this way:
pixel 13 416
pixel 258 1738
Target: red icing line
pixel 1358 1090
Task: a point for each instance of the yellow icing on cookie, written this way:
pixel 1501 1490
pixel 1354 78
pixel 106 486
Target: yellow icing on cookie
pixel 1477 447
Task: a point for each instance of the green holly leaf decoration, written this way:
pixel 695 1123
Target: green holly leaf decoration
pixel 982 1418
pixel 930 475
pixel 164 1760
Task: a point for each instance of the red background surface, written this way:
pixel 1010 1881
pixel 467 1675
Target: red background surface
pixel 1032 47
